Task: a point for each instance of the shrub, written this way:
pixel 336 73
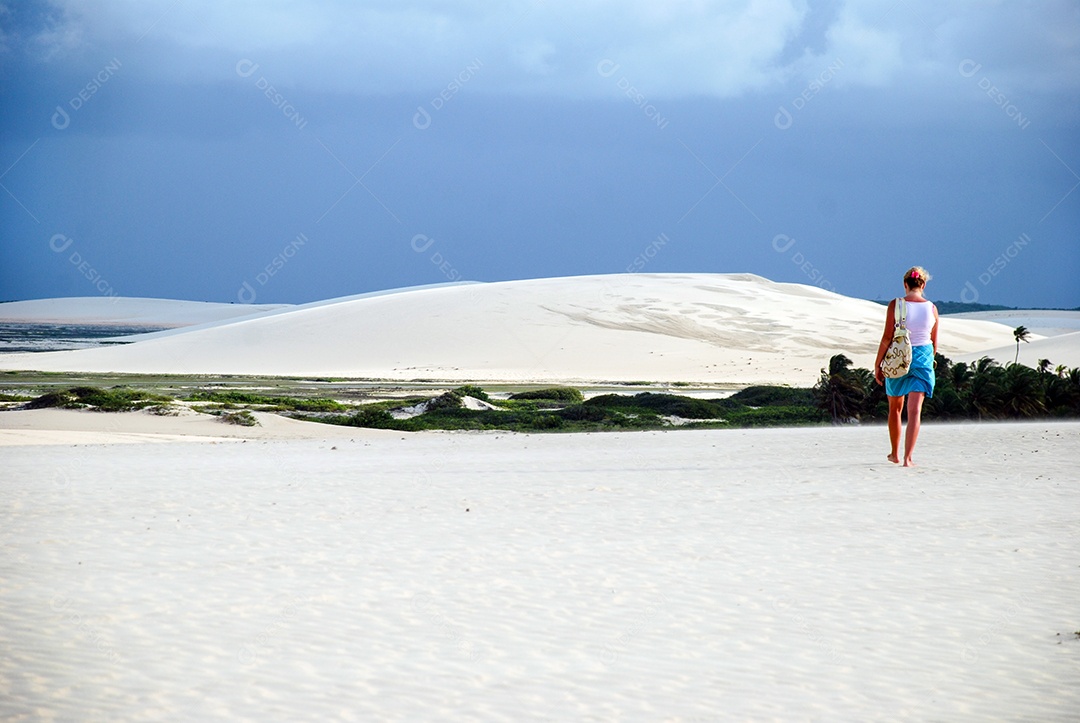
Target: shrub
pixel 298 404
pixel 471 390
pixel 377 418
pixel 59 398
pixel 583 413
pixel 774 396
pixel 668 404
pixel 117 399
pixel 449 400
pixel 243 418
pixel 556 394
pixel 546 421
pixel 15 398
pixel 164 410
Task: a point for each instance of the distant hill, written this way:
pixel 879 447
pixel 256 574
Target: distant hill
pixel 960 307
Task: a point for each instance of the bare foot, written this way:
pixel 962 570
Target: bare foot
pixel 908 462
pixel 893 458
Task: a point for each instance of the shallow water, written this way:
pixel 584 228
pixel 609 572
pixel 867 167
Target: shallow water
pixel 23 337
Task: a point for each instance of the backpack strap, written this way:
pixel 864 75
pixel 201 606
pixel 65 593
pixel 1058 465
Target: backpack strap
pixel 900 313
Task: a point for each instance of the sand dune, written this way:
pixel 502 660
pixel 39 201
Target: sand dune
pixel 1061 329
pixel 1059 349
pixel 127 311
pixel 730 328
pixel 1044 322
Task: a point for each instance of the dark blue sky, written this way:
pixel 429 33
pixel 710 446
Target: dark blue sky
pixel 180 149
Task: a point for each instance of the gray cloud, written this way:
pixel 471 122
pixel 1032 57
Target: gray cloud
pixel 719 49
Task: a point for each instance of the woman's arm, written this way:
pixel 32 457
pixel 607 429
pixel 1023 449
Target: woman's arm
pixel 886 339
pixel 933 332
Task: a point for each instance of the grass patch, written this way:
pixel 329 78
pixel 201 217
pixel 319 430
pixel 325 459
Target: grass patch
pixel 116 399
pixel 549 409
pixel 609 412
pixel 243 418
pixel 15 398
pixel 773 396
pixel 553 394
pixel 164 410
pixel 270 403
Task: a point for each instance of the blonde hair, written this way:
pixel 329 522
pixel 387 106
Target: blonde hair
pixel 916 276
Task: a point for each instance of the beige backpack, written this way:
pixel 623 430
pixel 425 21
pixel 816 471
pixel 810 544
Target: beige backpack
pixel 897 361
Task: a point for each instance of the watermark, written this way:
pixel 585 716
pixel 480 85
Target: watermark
pixel 61 119
pixel 969 294
pixel 246 294
pixel 422 119
pixel 421 243
pixel 60 243
pixel 783 118
pixel 782 243
pixel 62 604
pixel 785 605
pixel 969 68
pixel 610 652
pixel 607 69
pixel 648 254
pixel 246 68
pixel 250 652
pixel 424 605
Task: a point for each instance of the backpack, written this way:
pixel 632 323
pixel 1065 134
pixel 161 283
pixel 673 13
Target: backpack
pixel 897 360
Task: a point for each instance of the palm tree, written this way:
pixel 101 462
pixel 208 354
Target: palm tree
pixel 961 376
pixel 1061 370
pixel 839 390
pixel 983 393
pixel 1020 395
pixel 1021 334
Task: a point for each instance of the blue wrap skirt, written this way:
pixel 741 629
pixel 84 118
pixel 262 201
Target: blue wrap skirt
pixel 920 378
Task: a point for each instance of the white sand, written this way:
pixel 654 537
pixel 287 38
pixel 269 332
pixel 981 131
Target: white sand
pixel 73 426
pixel 720 575
pixel 705 328
pixel 160 568
pixel 1059 349
pixel 127 311
pixel 1061 330
pixel 1043 322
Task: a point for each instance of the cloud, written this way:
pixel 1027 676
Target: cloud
pixel 552 47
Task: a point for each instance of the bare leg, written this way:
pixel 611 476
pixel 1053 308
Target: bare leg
pixel 914 421
pixel 896 407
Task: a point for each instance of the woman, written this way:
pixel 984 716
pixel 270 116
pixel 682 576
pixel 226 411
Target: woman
pixel 918 383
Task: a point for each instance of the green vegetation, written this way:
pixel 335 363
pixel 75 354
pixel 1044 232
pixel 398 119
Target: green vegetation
pixel 243 418
pixel 1021 334
pixel 554 394
pixel 116 399
pixel 982 390
pixel 471 390
pixel 166 409
pixel 268 403
pixel 564 409
pixel 14 398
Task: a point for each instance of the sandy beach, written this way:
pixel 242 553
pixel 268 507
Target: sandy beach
pixel 175 567
pixel 726 575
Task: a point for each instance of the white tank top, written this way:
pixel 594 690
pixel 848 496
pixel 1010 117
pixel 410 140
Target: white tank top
pixel 920 320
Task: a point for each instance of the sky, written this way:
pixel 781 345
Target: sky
pixel 269 151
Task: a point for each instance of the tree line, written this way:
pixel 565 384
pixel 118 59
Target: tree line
pixel 983 389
